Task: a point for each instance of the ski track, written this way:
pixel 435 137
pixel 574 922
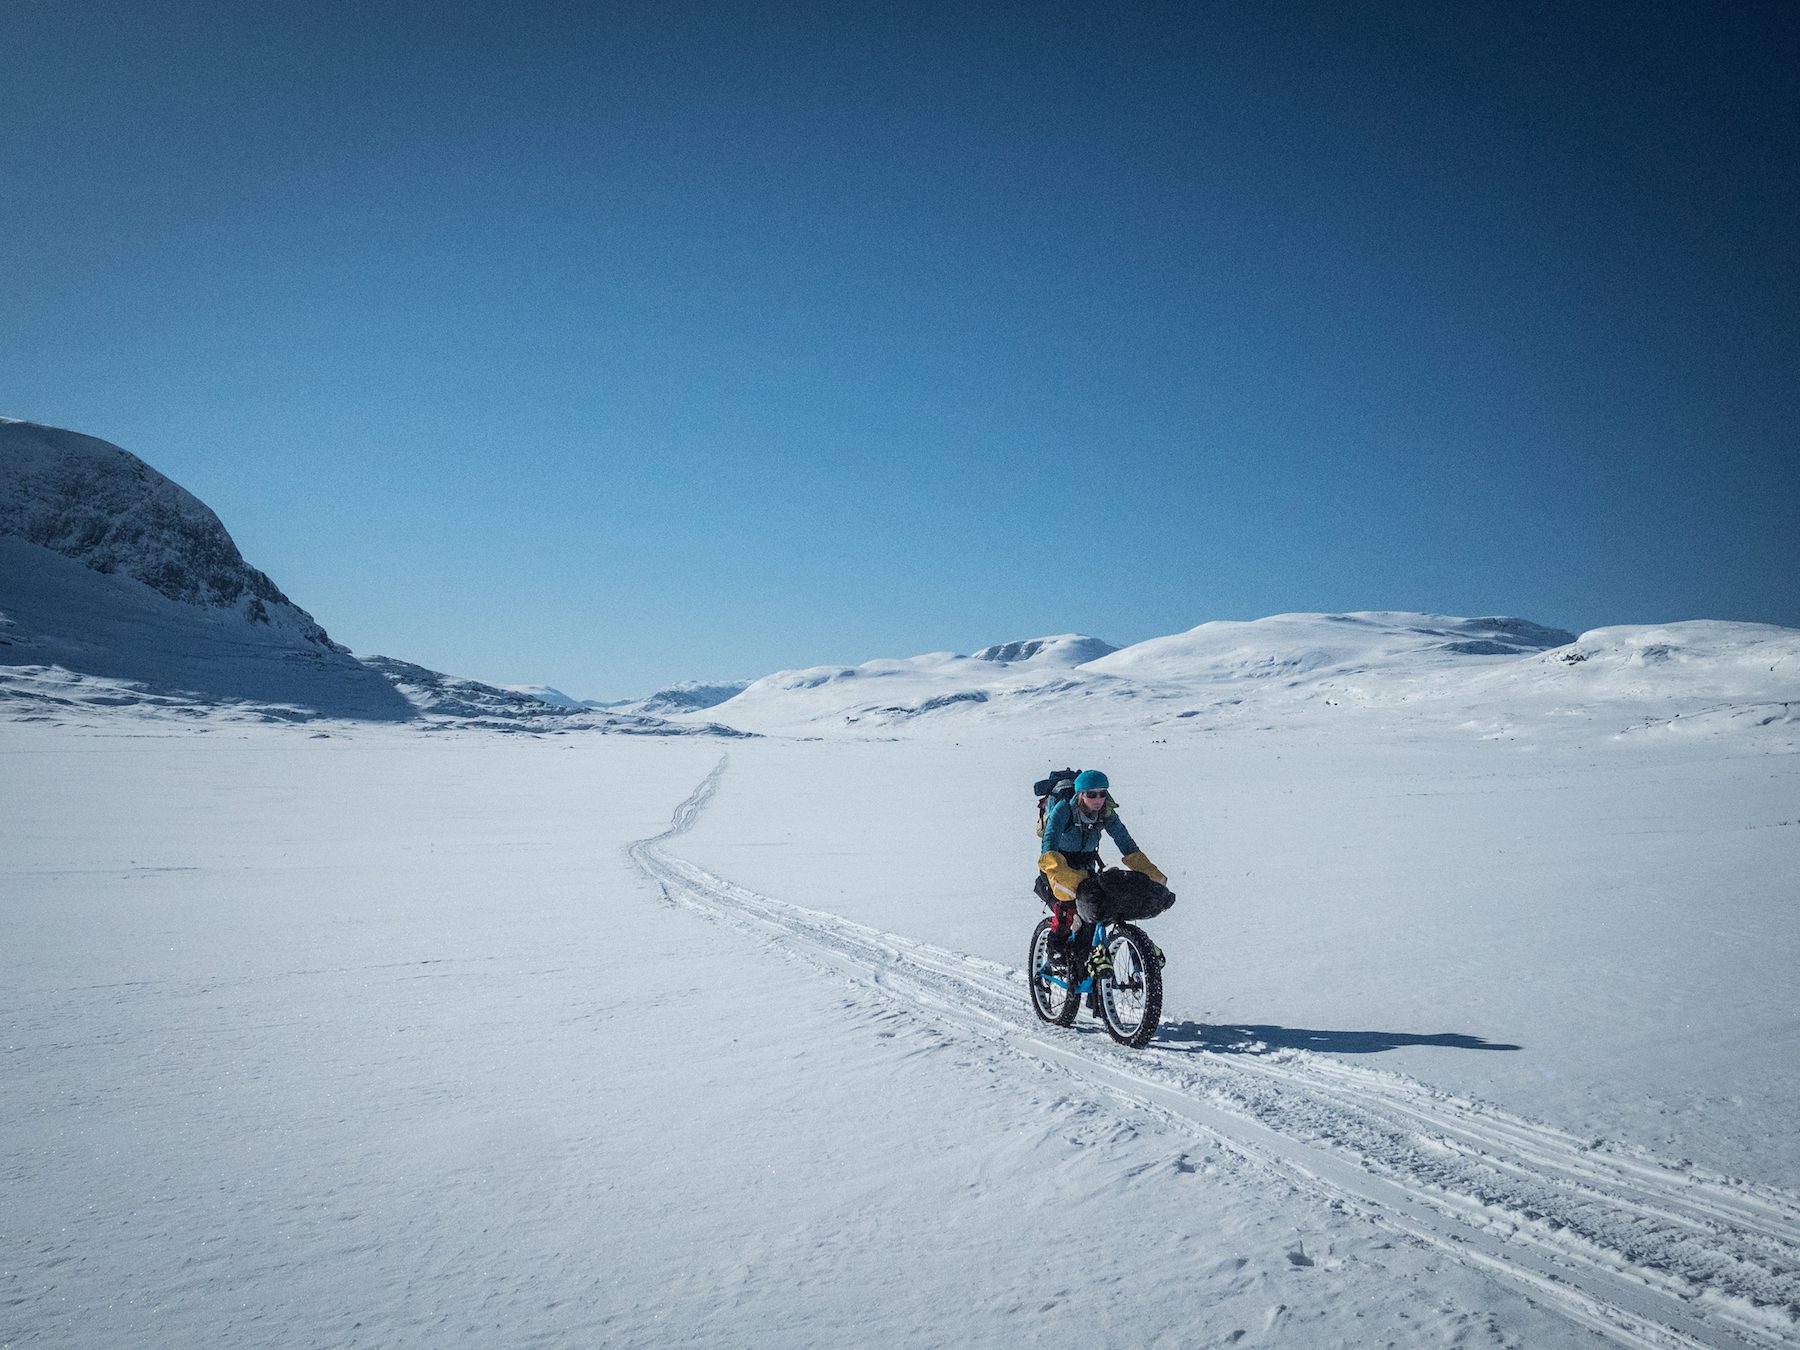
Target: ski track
pixel 1646 1252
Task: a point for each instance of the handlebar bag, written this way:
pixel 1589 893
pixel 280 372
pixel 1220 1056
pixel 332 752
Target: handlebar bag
pixel 1120 894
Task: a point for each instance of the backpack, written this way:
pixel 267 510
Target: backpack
pixel 1059 785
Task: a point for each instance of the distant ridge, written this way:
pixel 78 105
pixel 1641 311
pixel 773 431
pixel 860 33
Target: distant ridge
pixel 123 594
pixel 690 696
pixel 1068 649
pixel 1489 676
pixel 1295 645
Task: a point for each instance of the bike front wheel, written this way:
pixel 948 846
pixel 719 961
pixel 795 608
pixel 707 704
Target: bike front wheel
pixel 1131 995
pixel 1053 995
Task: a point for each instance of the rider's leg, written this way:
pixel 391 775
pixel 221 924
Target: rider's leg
pixel 1081 940
pixel 1062 920
pixel 1083 937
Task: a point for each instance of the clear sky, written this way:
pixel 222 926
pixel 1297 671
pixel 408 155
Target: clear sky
pixel 605 345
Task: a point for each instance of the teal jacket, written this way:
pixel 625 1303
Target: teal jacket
pixel 1067 829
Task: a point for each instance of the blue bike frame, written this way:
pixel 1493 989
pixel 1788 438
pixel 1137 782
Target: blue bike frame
pixel 1087 984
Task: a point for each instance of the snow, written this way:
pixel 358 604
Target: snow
pixel 349 1003
pixel 1562 898
pixel 338 1034
pixel 688 696
pixel 1297 645
pixel 120 590
pixel 84 647
pixel 72 638
pixel 898 690
pixel 1493 676
pixel 1065 649
pixel 544 693
pixel 89 500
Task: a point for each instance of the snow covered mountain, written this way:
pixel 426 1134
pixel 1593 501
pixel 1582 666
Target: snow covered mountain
pixel 689 696
pixel 118 588
pixel 109 511
pixel 1075 676
pixel 1702 677
pixel 1068 649
pixel 1294 647
pixel 1490 676
pixel 79 643
pixel 890 692
pixel 544 693
pixel 445 700
pixel 121 590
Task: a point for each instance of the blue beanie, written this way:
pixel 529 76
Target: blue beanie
pixel 1091 780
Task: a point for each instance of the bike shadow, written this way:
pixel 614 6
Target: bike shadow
pixel 1239 1038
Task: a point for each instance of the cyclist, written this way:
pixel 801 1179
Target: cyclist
pixel 1070 853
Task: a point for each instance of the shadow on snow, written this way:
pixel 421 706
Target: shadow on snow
pixel 1244 1039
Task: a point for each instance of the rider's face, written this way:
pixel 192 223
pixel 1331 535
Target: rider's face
pixel 1093 800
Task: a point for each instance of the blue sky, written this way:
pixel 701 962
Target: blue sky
pixel 607 345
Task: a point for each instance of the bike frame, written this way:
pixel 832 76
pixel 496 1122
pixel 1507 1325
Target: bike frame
pixel 1131 1010
pixel 1087 983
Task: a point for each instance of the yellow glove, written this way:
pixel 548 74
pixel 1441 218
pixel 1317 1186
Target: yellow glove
pixel 1137 862
pixel 1063 879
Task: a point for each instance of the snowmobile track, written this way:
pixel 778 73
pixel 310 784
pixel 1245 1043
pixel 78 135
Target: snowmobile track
pixel 1646 1252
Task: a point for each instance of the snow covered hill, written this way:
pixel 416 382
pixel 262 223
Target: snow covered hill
pixel 1067 649
pixel 688 696
pixel 1489 676
pixel 108 510
pixel 1292 648
pixel 1085 680
pixel 1699 662
pixel 122 594
pixel 544 693
pixel 884 694
pixel 446 701
pixel 122 590
pixel 81 644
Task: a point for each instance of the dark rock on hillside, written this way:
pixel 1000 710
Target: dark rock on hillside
pixel 105 508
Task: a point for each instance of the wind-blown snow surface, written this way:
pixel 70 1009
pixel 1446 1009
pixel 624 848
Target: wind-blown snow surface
pixel 374 1039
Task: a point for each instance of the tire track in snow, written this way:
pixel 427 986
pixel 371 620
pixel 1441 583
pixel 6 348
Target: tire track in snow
pixel 1648 1253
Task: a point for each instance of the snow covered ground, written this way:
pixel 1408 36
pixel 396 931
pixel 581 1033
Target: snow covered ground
pixel 1480 1030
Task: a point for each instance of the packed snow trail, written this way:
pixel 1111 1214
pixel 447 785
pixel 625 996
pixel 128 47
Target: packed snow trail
pixel 1648 1253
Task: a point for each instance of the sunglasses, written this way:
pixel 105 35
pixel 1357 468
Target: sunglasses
pixel 1093 796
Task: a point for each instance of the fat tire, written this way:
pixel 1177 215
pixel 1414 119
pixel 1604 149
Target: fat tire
pixel 1150 971
pixel 1053 1004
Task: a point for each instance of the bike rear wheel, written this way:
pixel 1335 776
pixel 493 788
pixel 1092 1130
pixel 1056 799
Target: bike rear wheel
pixel 1131 995
pixel 1053 996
